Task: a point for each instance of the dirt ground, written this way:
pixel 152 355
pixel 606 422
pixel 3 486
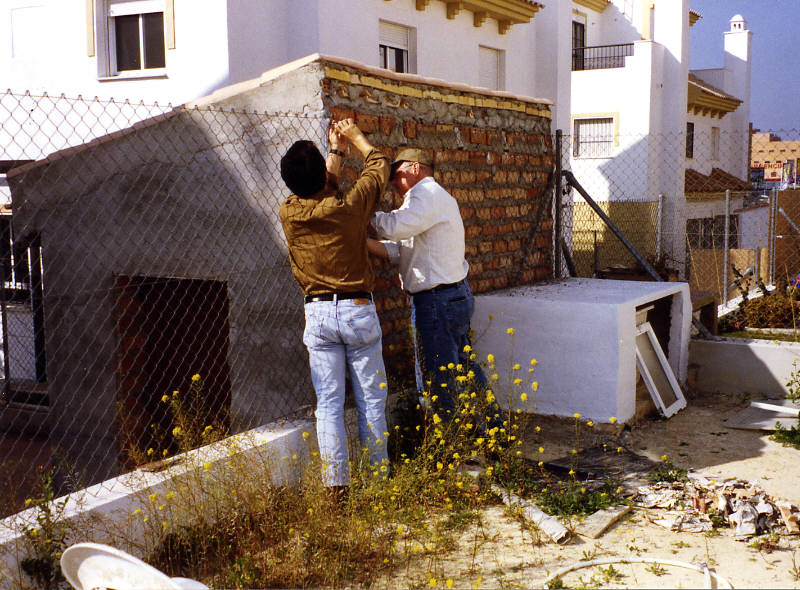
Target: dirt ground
pixel 497 553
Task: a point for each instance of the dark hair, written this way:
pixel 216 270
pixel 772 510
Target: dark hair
pixel 303 168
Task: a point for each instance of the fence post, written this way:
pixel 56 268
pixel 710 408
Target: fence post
pixel 659 215
pixel 757 264
pixel 4 322
pixel 558 204
pixel 773 201
pixel 725 242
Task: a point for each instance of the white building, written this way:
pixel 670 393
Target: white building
pixel 641 123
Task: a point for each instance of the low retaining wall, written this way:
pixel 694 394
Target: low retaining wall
pixel 93 512
pixel 738 365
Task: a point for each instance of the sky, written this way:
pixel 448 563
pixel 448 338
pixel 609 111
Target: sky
pixel 775 67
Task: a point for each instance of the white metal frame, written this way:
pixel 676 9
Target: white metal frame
pixel 133 7
pixel 680 400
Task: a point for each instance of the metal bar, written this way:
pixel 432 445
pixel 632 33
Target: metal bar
pixel 573 182
pixel 659 215
pixel 4 314
pixel 37 302
pixel 558 205
pixel 789 219
pixel 568 258
pixel 771 235
pixel 726 234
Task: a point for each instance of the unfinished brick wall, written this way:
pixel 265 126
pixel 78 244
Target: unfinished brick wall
pixel 492 153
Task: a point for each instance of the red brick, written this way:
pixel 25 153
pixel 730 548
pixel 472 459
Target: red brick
pixel 485 247
pixel 514 245
pixel 493 137
pixel 339 114
pixel 499 247
pixel 386 125
pixel 477 158
pixel 441 128
pixel 410 129
pixel 472 231
pixel 471 250
pixel 512 211
pixel 426 128
pixel 542 241
pixel 467 212
pixel 441 156
pixel 500 282
pixel 367 123
pixel 477 135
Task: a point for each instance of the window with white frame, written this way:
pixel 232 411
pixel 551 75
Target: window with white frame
pixel 593 138
pixel 136 36
pixel 715 143
pixel 395 47
pixel 491 68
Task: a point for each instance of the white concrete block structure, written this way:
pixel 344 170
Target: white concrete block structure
pixel 582 333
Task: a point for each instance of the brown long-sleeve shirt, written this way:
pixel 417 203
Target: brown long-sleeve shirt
pixel 327 232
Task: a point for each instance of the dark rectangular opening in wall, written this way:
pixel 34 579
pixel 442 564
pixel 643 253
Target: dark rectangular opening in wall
pixel 169 329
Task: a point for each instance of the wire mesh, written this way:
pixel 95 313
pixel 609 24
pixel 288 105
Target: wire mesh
pixel 733 224
pixel 147 281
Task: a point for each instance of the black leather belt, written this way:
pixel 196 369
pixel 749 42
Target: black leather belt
pixel 331 296
pixel 440 287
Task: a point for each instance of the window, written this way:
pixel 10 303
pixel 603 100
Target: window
pixel 395 47
pixel 578 45
pixel 715 143
pixel 593 138
pixel 136 36
pixel 491 67
pixel 690 140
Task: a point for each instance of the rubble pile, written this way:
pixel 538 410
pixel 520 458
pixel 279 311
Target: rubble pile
pixel 700 502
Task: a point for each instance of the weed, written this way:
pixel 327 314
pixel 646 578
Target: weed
pixel 610 574
pixel 556 583
pixel 572 498
pixel 47 539
pixel 666 471
pixel 795 570
pixel 589 554
pixel 790 436
pixel 766 543
pixel 656 569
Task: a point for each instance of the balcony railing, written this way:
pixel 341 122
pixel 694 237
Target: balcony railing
pixel 599 57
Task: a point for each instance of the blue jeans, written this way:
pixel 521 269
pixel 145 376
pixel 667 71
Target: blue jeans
pixel 441 331
pixel 341 336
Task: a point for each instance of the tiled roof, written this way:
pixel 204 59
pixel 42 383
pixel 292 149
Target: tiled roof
pixel 717 182
pixel 706 87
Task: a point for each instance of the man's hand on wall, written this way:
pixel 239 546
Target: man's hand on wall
pixel 347 128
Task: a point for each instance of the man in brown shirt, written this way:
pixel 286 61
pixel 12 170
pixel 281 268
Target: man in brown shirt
pixel 326 230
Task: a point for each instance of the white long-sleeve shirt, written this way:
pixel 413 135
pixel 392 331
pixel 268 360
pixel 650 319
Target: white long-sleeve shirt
pixel 425 237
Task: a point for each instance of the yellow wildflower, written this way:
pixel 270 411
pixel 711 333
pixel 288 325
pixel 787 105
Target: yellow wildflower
pixel 577 416
pixel 590 424
pixel 467 348
pixel 165 398
pixel 195 377
pixel 534 362
pixel 451 366
pixel 306 435
pixel 613 419
pixel 490 357
pixel 382 385
pixel 510 331
pixel 535 386
pixel 524 397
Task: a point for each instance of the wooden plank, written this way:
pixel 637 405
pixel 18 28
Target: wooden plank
pixel 596 524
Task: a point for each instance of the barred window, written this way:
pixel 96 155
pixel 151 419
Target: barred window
pixel 593 138
pixel 715 143
pixel 689 140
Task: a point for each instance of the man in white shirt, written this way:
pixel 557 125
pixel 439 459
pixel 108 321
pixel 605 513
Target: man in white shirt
pixel 425 238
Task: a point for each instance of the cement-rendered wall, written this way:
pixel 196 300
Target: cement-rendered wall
pixel 195 193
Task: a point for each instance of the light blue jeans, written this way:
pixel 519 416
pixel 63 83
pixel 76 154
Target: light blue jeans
pixel 342 336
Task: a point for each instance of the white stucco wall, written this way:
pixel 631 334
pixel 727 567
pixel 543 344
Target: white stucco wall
pixel 581 332
pixel 220 42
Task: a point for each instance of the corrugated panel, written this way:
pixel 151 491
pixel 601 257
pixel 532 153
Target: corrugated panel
pixel 489 68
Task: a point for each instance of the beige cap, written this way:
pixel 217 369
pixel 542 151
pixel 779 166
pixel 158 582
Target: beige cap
pixel 410 155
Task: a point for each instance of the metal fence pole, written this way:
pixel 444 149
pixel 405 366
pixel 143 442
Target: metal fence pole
pixel 558 205
pixel 659 234
pixel 725 242
pixel 773 198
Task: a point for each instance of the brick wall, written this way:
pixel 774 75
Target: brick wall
pixel 493 153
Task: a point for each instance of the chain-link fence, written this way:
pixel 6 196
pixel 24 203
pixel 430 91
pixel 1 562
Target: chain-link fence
pixel 146 273
pixel 735 222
